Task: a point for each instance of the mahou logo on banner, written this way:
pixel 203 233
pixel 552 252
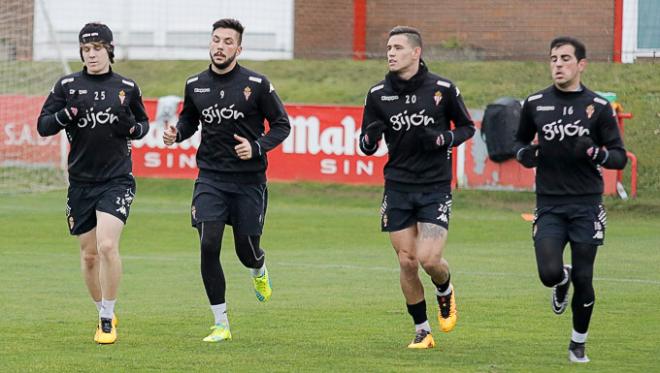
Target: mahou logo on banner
pixel 322 146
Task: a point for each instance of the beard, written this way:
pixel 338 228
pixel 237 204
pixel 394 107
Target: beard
pixel 224 65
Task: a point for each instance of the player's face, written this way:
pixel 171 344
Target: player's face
pixel 224 48
pixel 401 55
pixel 565 67
pixel 95 58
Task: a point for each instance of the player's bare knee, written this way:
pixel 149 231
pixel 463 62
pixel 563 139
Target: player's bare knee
pixel 408 262
pixel 89 259
pixel 108 248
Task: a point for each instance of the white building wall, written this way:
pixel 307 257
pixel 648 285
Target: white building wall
pixel 165 29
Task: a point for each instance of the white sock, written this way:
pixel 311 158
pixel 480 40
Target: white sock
pixel 258 272
pixel 579 337
pixel 446 292
pixel 423 326
pixel 220 313
pixel 99 305
pixel 107 309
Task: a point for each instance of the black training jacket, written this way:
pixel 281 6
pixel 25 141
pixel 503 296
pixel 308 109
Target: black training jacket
pixel 97 153
pixel 407 108
pixel 233 103
pixel 559 118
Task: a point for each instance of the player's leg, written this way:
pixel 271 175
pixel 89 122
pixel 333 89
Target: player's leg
pixel 108 233
pixel 430 243
pixel 81 218
pixel 403 241
pixel 433 213
pixel 248 215
pixel 208 214
pixel 90 265
pixel 210 238
pixel 112 210
pixel 397 218
pixel 583 258
pixel 253 257
pixel 586 233
pixel 549 231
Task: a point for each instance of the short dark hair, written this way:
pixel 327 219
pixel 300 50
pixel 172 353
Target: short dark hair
pixel 97 32
pixel 230 23
pixel 580 49
pixel 411 33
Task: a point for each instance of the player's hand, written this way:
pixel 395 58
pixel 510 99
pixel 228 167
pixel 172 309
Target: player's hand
pixel 434 138
pixel 244 148
pixel 169 136
pixel 585 148
pixel 528 155
pixel 374 132
pixel 126 124
pixel 72 111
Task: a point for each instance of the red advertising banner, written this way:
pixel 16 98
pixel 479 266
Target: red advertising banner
pixel 20 144
pixel 322 146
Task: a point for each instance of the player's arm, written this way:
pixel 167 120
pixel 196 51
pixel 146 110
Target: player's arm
pixel 607 150
pixel 136 106
pixel 188 122
pixel 435 138
pixel 526 153
pixel 132 119
pixel 372 127
pixel 56 113
pixel 459 114
pixel 278 120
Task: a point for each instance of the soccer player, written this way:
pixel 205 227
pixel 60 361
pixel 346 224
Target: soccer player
pixel 577 136
pixel 231 103
pixel 413 108
pixel 101 112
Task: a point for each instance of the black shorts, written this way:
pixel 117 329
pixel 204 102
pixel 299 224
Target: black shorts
pixel 580 223
pixel 243 206
pixel 401 210
pixel 82 202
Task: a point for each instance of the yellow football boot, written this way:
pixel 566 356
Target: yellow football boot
pixel 115 322
pixel 106 333
pixel 262 287
pixel 220 332
pixel 423 339
pixel 447 315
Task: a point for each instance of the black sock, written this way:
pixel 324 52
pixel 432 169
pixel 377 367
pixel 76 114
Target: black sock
pixel 442 287
pixel 418 312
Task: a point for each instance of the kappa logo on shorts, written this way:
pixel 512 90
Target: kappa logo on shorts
pixel 193 212
pixel 598 228
pixel 72 222
pixel 445 211
pixel 124 203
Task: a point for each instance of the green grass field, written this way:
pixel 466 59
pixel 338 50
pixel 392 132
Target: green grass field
pixel 336 305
